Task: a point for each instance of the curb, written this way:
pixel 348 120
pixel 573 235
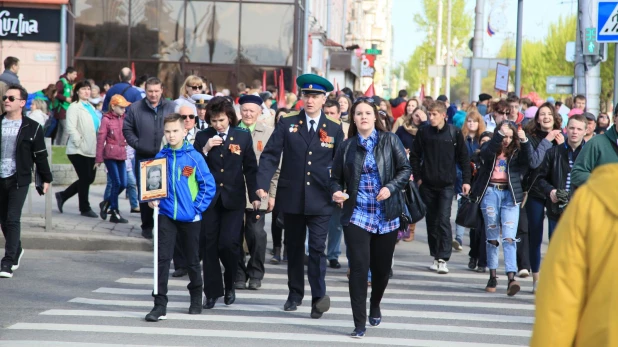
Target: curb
pixel 82 242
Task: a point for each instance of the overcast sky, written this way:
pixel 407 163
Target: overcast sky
pixel 535 23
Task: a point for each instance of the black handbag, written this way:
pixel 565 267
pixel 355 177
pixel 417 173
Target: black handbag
pixel 469 213
pixel 413 206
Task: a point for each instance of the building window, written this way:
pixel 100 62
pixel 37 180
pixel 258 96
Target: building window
pixel 96 21
pixel 157 29
pixel 266 36
pixel 99 70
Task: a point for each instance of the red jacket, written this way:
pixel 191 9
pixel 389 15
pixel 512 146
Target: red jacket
pixel 110 140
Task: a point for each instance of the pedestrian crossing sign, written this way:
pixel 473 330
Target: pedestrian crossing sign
pixel 607 21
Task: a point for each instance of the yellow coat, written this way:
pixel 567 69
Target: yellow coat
pixel 577 297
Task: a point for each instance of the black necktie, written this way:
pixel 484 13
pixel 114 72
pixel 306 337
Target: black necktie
pixel 311 129
pixel 222 136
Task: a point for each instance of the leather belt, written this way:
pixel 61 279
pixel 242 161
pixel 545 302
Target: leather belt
pixel 499 186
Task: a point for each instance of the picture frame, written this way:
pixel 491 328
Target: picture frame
pixel 153 179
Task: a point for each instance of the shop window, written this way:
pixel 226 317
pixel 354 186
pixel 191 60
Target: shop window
pixel 157 29
pixel 212 32
pixel 99 71
pixel 170 75
pixel 250 74
pixel 101 28
pixel 266 36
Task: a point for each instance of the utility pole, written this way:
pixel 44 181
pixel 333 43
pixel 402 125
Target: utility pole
pixel 477 49
pixel 587 68
pixel 447 88
pixel 438 80
pixel 520 15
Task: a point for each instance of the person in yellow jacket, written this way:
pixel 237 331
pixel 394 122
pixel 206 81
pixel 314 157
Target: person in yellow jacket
pixel 575 304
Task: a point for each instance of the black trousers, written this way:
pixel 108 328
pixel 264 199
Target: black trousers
pixel 84 168
pixel 438 218
pixel 146 213
pixel 12 200
pixel 523 248
pixel 368 251
pixel 276 231
pixel 221 241
pixel 295 232
pixel 255 235
pixel 478 250
pixel 179 257
pixel 189 237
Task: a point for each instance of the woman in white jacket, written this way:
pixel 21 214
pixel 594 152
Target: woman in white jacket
pixel 82 126
pixel 192 85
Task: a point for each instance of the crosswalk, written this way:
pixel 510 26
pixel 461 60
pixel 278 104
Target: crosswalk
pixel 420 308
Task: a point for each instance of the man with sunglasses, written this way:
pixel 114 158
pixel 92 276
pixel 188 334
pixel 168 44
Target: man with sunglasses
pixel 21 146
pixel 123 88
pixel 497 116
pixel 308 140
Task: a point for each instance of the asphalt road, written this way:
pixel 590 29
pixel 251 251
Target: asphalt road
pixel 100 299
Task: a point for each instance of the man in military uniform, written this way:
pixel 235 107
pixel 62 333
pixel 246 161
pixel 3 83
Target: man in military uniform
pixel 254 232
pixel 308 141
pixel 201 101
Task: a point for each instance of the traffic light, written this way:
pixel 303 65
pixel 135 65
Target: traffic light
pixel 591 46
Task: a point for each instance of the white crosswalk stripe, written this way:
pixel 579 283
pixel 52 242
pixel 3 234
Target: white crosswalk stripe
pixel 419 308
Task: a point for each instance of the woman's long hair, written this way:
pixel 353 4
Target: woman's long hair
pixel 349 103
pixel 353 130
pixel 533 126
pixel 476 116
pixel 514 145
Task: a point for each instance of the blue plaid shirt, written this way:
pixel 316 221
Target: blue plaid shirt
pixel 368 211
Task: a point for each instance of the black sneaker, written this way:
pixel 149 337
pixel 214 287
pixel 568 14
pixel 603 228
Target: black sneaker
pixel 103 207
pixel 158 313
pixel 491 285
pixel 117 218
pixel 472 264
pixel 6 272
pixel 59 201
pixel 90 214
pixel 147 233
pixel 18 262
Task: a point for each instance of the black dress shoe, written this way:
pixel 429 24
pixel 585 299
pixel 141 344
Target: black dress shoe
pixel 254 284
pixel 209 303
pixel 358 333
pixel 59 201
pixel 180 273
pixel 147 234
pixel 291 305
pixel 375 316
pixel 320 306
pixel 196 304
pixel 156 314
pixel 334 263
pixel 230 296
pixel 90 214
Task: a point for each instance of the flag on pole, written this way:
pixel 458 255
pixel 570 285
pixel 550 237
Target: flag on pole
pixel 281 98
pixel 132 73
pixel 263 81
pixel 370 91
pixel 294 86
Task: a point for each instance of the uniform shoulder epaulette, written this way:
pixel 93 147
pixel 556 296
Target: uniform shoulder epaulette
pixel 333 119
pixel 293 113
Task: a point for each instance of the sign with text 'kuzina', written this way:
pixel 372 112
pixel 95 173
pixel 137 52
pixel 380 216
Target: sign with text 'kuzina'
pixel 29 24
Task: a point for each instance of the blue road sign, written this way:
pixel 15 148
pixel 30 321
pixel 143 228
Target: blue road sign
pixel 607 21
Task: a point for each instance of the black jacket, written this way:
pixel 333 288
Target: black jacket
pixel 435 153
pixel 29 150
pixel 540 146
pixel 553 174
pixel 234 173
pixel 303 186
pixel 393 167
pixel 517 164
pixel 143 126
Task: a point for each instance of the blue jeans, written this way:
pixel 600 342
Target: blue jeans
pixel 335 231
pixel 499 210
pixel 132 189
pixel 535 208
pixel 117 174
pixel 551 226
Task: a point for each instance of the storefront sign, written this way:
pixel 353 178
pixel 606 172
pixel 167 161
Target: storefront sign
pixel 29 24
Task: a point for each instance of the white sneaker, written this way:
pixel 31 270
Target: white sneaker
pixel 442 269
pixel 456 245
pixel 434 266
pixel 523 273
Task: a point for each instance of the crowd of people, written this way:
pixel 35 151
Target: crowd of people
pixel 328 166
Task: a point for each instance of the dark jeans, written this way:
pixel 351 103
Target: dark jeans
pixel 523 247
pixel 117 174
pixel 277 232
pixel 535 208
pixel 255 235
pixel 368 251
pixel 551 226
pixel 295 232
pixel 189 236
pixel 221 241
pixel 84 168
pixel 439 233
pixel 146 213
pixel 12 200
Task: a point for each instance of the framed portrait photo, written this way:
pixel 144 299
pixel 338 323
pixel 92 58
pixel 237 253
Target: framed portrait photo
pixel 153 179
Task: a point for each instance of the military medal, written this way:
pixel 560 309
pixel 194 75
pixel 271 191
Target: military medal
pixel 234 148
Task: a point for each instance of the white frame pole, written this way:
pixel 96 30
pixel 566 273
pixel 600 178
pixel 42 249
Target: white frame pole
pixel 155 257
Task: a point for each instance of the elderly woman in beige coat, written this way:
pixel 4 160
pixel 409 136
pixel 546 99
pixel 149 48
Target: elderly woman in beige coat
pixel 82 126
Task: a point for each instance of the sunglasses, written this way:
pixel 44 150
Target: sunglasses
pixel 184 117
pixel 363 99
pixel 195 87
pixel 506 113
pixel 11 98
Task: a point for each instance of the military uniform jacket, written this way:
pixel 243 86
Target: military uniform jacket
pixel 260 136
pixel 305 168
pixel 233 165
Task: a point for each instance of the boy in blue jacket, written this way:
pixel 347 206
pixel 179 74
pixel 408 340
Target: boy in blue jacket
pixel 191 188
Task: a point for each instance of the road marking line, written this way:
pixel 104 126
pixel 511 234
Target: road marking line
pixel 22 343
pixel 333 310
pixel 159 330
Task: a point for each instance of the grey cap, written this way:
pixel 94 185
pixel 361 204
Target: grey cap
pixel 590 116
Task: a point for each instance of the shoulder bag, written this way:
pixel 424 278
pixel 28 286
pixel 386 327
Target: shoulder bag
pixel 469 213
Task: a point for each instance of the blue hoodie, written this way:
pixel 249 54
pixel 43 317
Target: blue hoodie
pixel 190 184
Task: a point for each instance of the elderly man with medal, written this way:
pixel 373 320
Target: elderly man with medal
pixel 308 140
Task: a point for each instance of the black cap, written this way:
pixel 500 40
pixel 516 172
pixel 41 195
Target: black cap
pixel 484 96
pixel 250 99
pixel 442 98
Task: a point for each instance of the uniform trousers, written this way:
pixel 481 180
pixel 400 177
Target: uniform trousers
pixel 221 240
pixel 295 232
pixel 255 235
pixel 189 233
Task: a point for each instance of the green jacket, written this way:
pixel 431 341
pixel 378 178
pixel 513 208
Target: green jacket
pixel 598 151
pixel 67 89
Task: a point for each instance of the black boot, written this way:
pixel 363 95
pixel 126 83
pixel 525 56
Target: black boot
pixel 196 303
pixel 117 218
pixel 104 207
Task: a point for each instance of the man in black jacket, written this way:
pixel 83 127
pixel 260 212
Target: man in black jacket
pixel 437 148
pixel 555 174
pixel 143 129
pixel 21 146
